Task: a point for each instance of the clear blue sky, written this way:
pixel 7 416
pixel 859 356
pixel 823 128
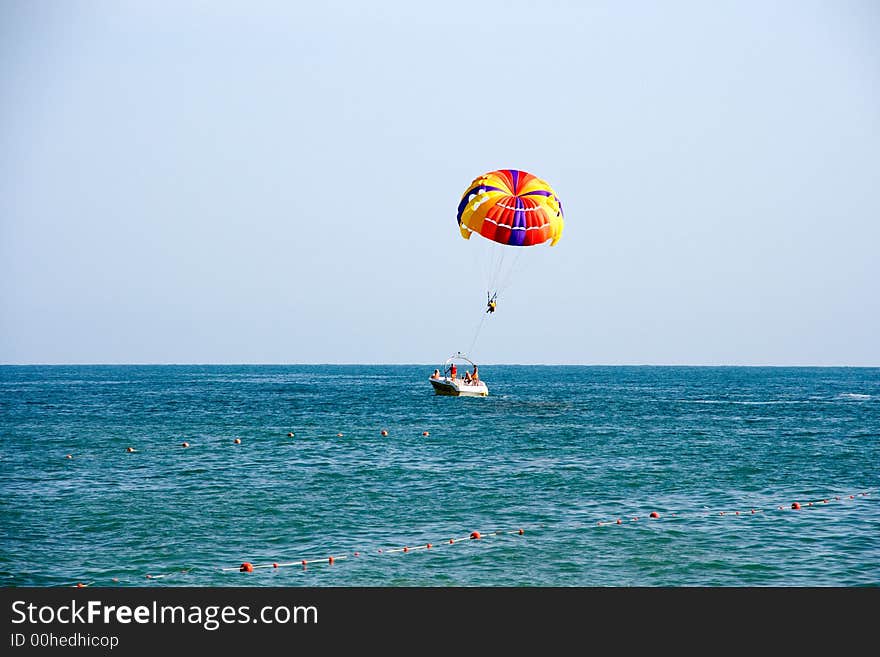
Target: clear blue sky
pixel 276 182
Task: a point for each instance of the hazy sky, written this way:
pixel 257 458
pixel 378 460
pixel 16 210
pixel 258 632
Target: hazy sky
pixel 277 182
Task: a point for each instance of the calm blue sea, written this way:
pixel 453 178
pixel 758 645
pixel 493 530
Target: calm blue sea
pixel 553 451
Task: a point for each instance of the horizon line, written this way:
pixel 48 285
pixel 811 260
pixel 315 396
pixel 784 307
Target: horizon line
pixel 426 364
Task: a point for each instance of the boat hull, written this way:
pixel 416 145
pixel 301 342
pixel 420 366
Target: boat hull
pixel 458 388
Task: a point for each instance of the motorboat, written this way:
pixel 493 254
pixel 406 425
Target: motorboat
pixel 449 382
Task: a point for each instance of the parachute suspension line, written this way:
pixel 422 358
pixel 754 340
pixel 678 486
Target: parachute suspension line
pixel 498 266
pixel 497 273
pixel 503 283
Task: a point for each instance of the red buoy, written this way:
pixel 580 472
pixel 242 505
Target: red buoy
pixel 384 433
pixel 427 546
pixel 425 433
pixel 330 560
pixel 274 565
pixel 129 449
pixel 69 456
pixel 290 434
pixel 451 540
pixel 79 585
pixel 654 514
pixel 795 505
pixel 304 562
pixel 721 514
pixel 475 535
pixel 357 554
pixel 246 567
pixel 184 444
pixel 619 521
pixel 237 441
pixel 405 549
pixel 520 532
pixel 339 435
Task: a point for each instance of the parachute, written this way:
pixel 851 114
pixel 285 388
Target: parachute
pixel 508 208
pixel 511 207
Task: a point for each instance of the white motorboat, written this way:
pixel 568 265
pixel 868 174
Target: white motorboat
pixel 450 382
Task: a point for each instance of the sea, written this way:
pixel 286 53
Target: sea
pixel 360 476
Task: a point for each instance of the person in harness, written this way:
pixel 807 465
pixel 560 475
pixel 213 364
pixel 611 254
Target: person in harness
pixel 490 302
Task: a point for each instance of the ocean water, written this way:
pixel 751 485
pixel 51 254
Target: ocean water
pixel 560 453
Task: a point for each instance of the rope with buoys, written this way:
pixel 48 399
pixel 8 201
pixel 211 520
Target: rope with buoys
pixel 476 535
pixel 248 567
pixel 237 441
pixel 794 506
pixel 654 515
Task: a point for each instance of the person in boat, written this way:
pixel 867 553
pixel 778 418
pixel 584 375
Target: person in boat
pixel 453 371
pixel 436 374
pixel 467 378
pixel 475 377
pixel 490 302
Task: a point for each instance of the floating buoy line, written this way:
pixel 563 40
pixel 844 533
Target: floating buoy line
pixel 334 556
pixel 248 567
pixel 652 517
pixel 751 511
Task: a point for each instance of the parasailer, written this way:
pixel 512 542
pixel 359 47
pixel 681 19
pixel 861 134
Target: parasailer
pixel 509 208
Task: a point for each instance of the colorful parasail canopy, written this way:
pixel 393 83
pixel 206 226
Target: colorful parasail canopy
pixel 511 207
